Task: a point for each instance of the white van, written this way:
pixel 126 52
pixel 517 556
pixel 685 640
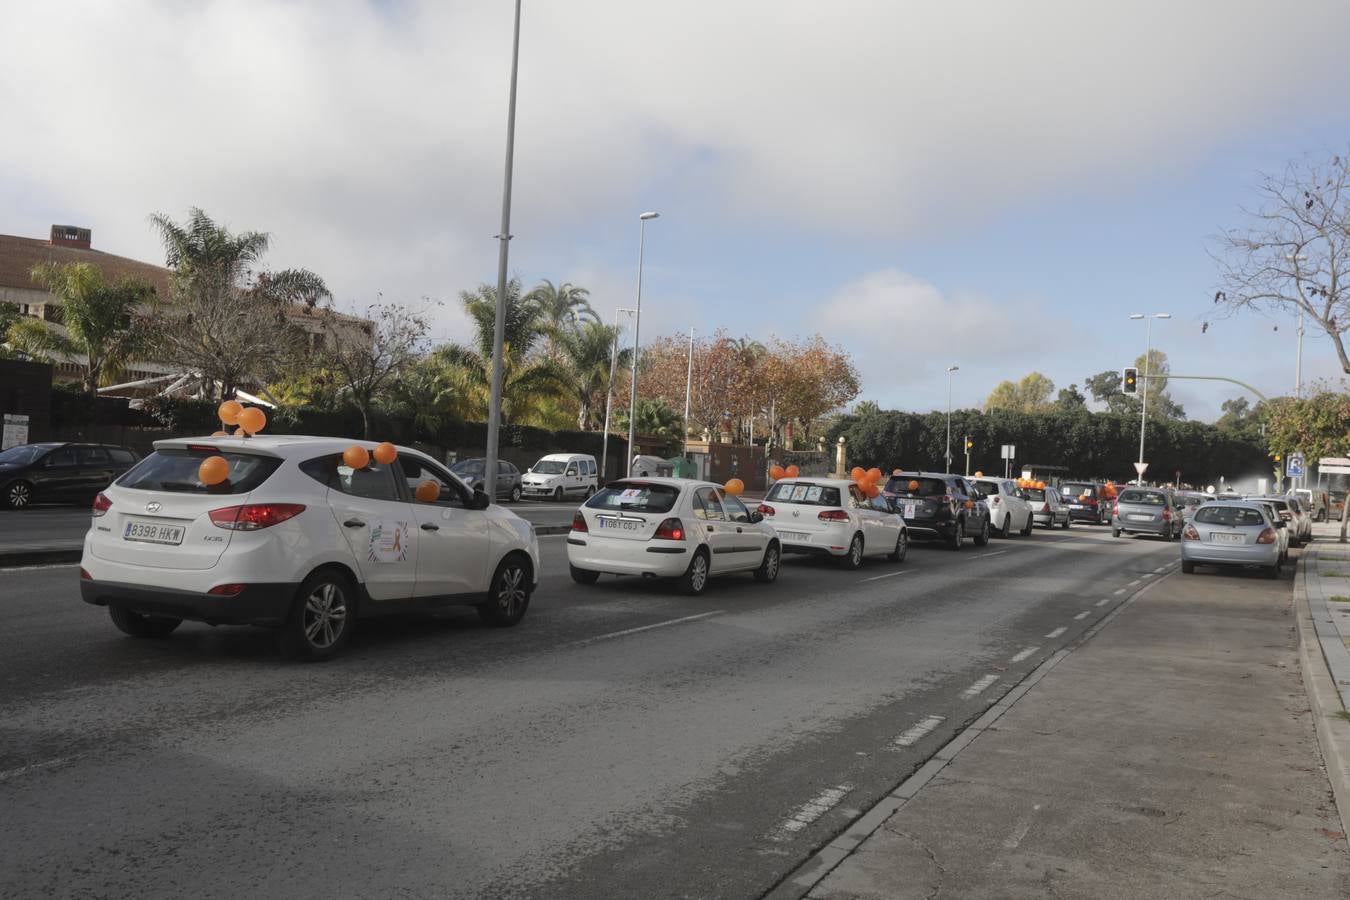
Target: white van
pixel 561 474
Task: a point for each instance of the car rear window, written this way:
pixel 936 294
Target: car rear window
pixel 987 487
pixel 640 496
pixel 803 492
pixel 1144 498
pixel 1278 504
pixel 175 471
pixel 1078 489
pixel 1036 493
pixel 923 487
pixel 1228 515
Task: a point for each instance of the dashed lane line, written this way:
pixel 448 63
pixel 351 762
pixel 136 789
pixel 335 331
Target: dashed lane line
pixel 919 731
pixel 1057 632
pixel 887 575
pixel 808 812
pixel 987 555
pixel 1028 652
pixel 1119 592
pixel 1104 601
pixel 979 687
pixel 627 631
pixel 1083 615
pixel 9 774
pixel 1134 583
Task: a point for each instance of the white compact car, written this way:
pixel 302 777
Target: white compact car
pixel 560 475
pixel 670 528
pixel 833 517
pixel 296 540
pixel 1008 510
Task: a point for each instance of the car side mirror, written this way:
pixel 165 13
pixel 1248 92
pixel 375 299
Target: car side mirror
pixel 756 516
pixel 480 499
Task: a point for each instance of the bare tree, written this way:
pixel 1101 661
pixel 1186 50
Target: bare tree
pixel 368 356
pixel 1294 254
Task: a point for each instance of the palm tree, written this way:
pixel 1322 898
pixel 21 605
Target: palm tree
pixel 656 419
pixel 525 378
pixel 563 306
pixel 584 357
pixel 99 325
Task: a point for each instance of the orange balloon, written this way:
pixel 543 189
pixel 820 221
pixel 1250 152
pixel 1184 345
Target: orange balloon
pixel 793 471
pixel 213 470
pixel 858 473
pixel 873 475
pixel 252 420
pixel 239 432
pixel 229 412
pixel 1040 485
pixel 872 490
pixel 356 457
pixel 385 453
pixel 427 492
pixel 220 434
pixel 979 474
pixel 913 486
pixel 735 487
pixel 777 472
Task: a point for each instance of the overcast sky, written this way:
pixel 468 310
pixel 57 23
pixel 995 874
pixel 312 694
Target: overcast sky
pixel 994 185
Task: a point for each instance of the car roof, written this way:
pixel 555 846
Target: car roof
pixel 928 475
pixel 283 445
pixel 668 481
pixel 807 479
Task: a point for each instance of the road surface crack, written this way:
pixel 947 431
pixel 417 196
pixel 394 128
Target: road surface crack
pixel 932 857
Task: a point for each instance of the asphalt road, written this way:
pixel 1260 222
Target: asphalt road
pixel 621 742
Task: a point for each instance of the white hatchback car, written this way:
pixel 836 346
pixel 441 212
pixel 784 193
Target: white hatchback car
pixel 296 540
pixel 1008 509
pixel 670 528
pixel 833 517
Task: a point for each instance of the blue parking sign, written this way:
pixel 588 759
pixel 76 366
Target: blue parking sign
pixel 1295 467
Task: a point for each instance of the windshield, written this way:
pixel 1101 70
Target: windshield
pixel 638 496
pixel 803 492
pixel 22 456
pixel 175 471
pixel 1144 498
pixel 550 467
pixel 916 486
pixel 1078 489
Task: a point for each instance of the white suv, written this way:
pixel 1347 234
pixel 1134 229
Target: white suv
pixel 296 540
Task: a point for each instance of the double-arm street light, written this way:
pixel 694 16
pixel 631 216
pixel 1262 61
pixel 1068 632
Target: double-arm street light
pixel 1148 353
pixel 609 390
pixel 950 370
pixel 637 329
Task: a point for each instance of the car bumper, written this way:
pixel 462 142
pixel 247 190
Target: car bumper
pixel 1158 527
pixel 1215 555
pixel 830 541
pixel 1043 518
pixel 660 559
pixel 257 604
pixel 1087 514
pixel 931 529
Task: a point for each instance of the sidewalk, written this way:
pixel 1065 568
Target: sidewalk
pixel 1172 755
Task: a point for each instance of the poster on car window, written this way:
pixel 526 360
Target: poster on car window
pixel 388 541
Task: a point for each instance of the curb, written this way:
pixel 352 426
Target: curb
pixel 802 880
pixel 1326 680
pixel 40 556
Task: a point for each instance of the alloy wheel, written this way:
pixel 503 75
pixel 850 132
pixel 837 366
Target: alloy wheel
pixel 19 495
pixel 511 591
pixel 325 615
pixel 698 573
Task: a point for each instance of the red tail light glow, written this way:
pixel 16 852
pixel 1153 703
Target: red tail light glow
pixel 833 515
pixel 1267 537
pixel 1190 534
pixel 202 448
pixel 579 523
pixel 84 574
pixel 1045 508
pixel 1115 508
pixel 671 529
pixel 254 516
pixel 767 510
pixel 1167 514
pixel 101 505
pixel 227 590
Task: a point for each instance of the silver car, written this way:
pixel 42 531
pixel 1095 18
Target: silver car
pixel 1145 511
pixel 1237 533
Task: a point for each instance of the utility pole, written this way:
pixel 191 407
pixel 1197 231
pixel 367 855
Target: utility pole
pixel 688 390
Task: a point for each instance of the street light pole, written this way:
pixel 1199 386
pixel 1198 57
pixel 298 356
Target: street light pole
pixel 637 330
pixel 609 392
pixel 1148 353
pixel 504 243
pixel 688 390
pixel 950 370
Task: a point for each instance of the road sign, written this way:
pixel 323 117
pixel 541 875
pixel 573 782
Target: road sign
pixel 1009 451
pixel 1334 465
pixel 14 432
pixel 1295 466
pixel 1141 468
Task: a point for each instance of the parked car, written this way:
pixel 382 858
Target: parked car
pixel 1086 501
pixel 471 472
pixel 560 475
pixel 59 472
pixel 833 517
pixel 1187 502
pixel 670 528
pixel 940 507
pixel 1283 533
pixel 1009 510
pixel 1335 504
pixel 1140 510
pixel 1048 508
pixel 1316 501
pixel 296 540
pixel 1235 533
pixel 1289 512
pixel 1303 520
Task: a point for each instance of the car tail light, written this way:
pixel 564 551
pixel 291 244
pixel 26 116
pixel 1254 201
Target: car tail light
pixel 202 448
pixel 1267 537
pixel 995 500
pixel 84 574
pixel 227 590
pixel 579 523
pixel 767 510
pixel 833 515
pixel 1089 501
pixel 253 516
pixel 1115 508
pixel 1286 515
pixel 1190 534
pixel 101 505
pixel 1167 514
pixel 671 529
pixel 1045 508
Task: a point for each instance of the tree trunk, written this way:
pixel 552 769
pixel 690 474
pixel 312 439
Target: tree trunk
pixel 364 406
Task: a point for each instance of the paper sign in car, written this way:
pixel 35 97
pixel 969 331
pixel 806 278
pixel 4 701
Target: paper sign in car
pixel 388 541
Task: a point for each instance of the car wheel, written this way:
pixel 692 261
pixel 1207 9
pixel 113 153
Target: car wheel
pixel 1115 532
pixel 854 558
pixel 695 578
pixel 958 535
pixel 18 495
pixel 1067 523
pixel 982 539
pixel 515 493
pixel 321 618
pixel 1273 571
pixel 901 548
pixel 1006 529
pixel 1187 567
pixel 557 495
pixel 1026 529
pixel 508 593
pixel 583 576
pixel 141 626
pixel 768 569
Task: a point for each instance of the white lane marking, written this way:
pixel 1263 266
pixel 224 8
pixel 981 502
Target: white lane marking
pixel 1025 654
pixel 1083 615
pixel 808 812
pixel 1019 832
pixel 887 575
pixel 34 767
pixel 1160 570
pixel 987 555
pixel 39 567
pixel 1147 575
pixel 1103 601
pixel 1057 632
pixel 1133 583
pixel 979 687
pixel 919 731
pixel 614 634
pixel 1119 592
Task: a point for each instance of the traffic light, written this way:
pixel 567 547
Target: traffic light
pixel 969 444
pixel 1129 380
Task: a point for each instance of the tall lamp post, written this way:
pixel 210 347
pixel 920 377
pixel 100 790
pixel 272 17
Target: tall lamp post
pixel 1148 353
pixel 637 330
pixel 504 243
pixel 950 370
pixel 688 390
pixel 609 391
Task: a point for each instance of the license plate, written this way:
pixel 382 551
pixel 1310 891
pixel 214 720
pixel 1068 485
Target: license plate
pixel 1139 518
pixel 794 536
pixel 909 510
pixel 619 524
pixel 1222 537
pixel 153 533
pixel 1075 506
